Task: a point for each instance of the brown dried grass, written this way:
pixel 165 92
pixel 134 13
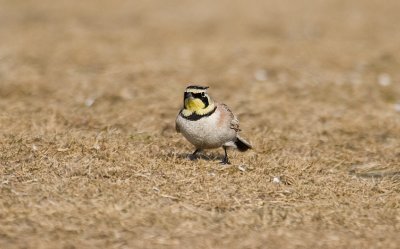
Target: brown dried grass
pixel 89 157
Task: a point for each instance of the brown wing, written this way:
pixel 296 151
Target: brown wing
pixel 234 121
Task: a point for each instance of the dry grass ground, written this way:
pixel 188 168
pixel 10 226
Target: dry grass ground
pixel 89 91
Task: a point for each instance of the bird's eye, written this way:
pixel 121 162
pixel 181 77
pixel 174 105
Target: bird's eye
pixel 203 94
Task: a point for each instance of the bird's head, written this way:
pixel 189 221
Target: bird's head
pixel 196 100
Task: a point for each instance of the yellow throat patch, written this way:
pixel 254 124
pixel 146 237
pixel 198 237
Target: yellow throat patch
pixel 196 106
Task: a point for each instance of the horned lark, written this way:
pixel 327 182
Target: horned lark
pixel 207 124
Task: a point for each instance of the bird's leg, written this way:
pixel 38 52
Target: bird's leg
pixel 193 156
pixel 225 160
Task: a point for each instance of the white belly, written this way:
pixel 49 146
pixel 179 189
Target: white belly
pixel 207 132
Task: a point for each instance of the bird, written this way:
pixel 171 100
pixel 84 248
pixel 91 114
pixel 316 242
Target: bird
pixel 208 124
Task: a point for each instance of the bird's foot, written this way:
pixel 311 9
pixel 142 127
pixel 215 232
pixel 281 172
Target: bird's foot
pixel 225 161
pixel 192 157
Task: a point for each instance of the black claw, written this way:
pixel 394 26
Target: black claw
pixel 225 161
pixel 193 156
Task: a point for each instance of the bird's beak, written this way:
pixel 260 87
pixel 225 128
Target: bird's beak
pixel 188 95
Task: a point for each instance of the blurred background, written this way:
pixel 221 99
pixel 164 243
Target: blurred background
pixel 116 55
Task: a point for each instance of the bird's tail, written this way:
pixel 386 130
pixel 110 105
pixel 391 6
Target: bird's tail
pixel 242 144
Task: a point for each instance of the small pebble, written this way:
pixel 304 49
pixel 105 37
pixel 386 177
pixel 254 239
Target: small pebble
pixel 261 75
pixel 384 79
pixel 276 180
pixel 397 107
pixel 89 102
pixel 96 146
pixel 242 168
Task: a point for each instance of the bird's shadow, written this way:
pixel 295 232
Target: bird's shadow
pixel 199 156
